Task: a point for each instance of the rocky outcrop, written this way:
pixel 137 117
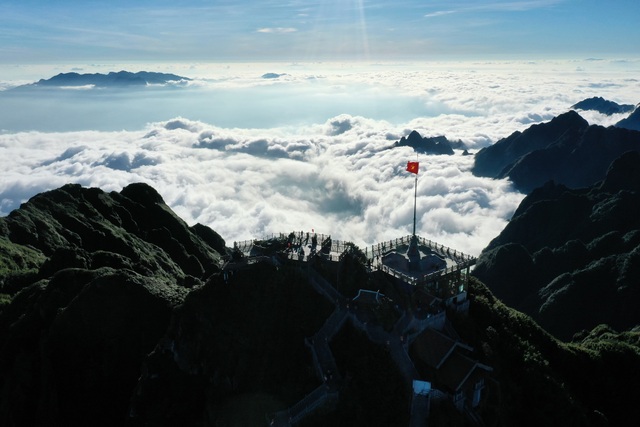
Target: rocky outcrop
pixel 428 145
pixel 571 258
pixel 566 150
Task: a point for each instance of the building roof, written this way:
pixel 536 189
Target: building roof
pixel 433 347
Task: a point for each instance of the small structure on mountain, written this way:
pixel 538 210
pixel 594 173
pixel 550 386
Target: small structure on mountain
pixel 441 271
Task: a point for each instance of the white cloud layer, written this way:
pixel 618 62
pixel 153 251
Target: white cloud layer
pixel 338 178
pixel 322 166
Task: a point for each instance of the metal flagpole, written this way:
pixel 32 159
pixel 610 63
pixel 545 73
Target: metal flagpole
pixel 412 252
pixel 415 198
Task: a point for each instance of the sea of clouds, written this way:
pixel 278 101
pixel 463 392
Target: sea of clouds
pixel 310 149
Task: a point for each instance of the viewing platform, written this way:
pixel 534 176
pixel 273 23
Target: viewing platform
pixel 440 270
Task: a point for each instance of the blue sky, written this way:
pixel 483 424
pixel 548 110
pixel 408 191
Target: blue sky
pixel 295 30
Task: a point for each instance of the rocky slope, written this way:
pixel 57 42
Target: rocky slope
pixel 571 258
pixel 566 150
pixel 94 278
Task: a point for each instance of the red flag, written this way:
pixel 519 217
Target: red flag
pixel 413 167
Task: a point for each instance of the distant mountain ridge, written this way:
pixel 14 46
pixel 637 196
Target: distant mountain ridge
pixel 566 150
pixel 112 79
pixel 597 103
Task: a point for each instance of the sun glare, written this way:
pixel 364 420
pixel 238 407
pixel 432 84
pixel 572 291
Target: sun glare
pixel 340 31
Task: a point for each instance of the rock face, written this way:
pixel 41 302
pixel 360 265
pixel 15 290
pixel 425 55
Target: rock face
pixel 120 78
pixel 428 145
pixel 566 150
pixel 571 258
pixel 94 278
pixel 603 106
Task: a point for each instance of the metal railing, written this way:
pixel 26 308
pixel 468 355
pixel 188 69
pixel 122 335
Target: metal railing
pixel 371 251
pixel 379 249
pixel 301 238
pixel 422 280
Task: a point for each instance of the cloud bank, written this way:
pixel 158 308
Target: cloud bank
pixel 338 178
pixel 322 165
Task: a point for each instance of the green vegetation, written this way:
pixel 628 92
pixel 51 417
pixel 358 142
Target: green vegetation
pixel 4 300
pixel 17 260
pixel 18 267
pixel 543 381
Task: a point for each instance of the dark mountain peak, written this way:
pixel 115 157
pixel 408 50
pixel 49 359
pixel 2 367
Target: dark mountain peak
pixel 601 105
pixel 414 136
pixel 142 193
pixel 559 124
pixel 498 159
pixel 566 150
pixel 570 118
pixel 428 145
